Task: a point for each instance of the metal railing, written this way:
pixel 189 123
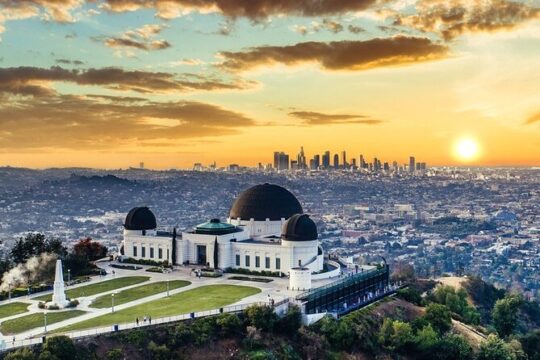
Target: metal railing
pixel 142 323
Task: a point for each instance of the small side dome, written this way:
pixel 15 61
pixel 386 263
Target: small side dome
pixel 215 227
pixel 140 218
pixel 299 227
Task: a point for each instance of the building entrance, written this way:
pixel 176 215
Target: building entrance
pixel 201 254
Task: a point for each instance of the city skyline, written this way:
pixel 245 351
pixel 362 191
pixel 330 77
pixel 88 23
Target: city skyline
pixel 108 83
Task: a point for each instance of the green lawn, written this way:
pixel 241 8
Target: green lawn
pixel 199 299
pixel 36 320
pixel 138 292
pixel 13 308
pixel 100 287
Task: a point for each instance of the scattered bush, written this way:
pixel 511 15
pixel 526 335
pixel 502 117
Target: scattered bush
pixel 164 263
pixel 247 278
pixel 73 303
pixel 253 272
pixel 126 267
pixel 53 307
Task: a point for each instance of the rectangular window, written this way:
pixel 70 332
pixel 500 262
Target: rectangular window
pixel 143 251
pixel 257 261
pixel 267 262
pixel 247 260
pixel 151 252
pixel 160 253
pixel 278 263
pixel 237 259
pixel 134 251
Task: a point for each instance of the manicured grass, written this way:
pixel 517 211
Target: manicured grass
pixel 36 320
pixel 13 309
pixel 99 287
pixel 199 299
pixel 138 292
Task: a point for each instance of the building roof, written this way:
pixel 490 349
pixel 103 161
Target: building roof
pixel 140 218
pixel 265 201
pixel 299 228
pixel 215 227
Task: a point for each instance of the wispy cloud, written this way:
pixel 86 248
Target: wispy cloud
pixel 318 118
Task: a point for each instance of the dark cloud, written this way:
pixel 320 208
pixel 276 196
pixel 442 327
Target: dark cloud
pixel 339 55
pixel 453 18
pixel 252 9
pixel 533 119
pixel 69 62
pixel 317 118
pixel 79 122
pixel 355 29
pixel 140 38
pixel 137 44
pixel 33 81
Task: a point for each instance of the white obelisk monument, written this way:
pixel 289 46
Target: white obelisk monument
pixel 59 295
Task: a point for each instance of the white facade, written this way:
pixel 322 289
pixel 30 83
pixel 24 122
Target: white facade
pixel 235 250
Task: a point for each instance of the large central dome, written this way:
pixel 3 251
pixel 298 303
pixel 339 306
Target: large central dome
pixel 266 201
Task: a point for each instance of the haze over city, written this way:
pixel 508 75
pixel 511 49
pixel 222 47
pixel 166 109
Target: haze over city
pixel 110 83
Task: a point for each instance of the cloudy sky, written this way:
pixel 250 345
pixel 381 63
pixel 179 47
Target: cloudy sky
pixel 109 83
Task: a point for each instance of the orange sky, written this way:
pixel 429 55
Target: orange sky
pixel 94 85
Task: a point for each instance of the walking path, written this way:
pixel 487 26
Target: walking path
pixel 277 289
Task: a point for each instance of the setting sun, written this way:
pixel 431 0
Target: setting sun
pixel 467 149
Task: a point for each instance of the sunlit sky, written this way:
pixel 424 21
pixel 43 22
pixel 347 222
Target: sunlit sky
pixel 110 83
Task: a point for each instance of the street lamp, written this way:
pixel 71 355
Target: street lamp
pixel 112 300
pixel 167 287
pixel 9 291
pixel 69 276
pixel 45 320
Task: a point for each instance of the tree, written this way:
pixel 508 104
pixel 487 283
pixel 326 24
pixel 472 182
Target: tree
pixel 230 324
pixel 291 321
pixel 452 347
pixel 21 354
pixel 262 317
pixel 90 250
pixel 159 352
pixel 505 314
pixel 60 346
pixel 34 244
pixel 47 355
pixel 531 344
pixel 439 317
pixel 494 349
pixel 426 339
pixel 402 336
pixel 114 354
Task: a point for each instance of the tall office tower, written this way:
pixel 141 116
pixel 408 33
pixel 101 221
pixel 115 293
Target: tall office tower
pixel 344 159
pixel 395 166
pixel 375 164
pixel 316 161
pixel 418 166
pixel 362 162
pixel 326 159
pixel 354 163
pixel 412 163
pixel 294 165
pixel 141 165
pixel 312 164
pixel 336 161
pixel 281 161
pixel 301 159
pixel 386 167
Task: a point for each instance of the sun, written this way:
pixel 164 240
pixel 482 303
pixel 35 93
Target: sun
pixel 467 149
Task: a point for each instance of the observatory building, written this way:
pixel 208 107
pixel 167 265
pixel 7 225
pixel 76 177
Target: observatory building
pixel 266 230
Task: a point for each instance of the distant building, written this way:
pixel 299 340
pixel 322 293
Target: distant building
pixel 336 161
pixel 412 163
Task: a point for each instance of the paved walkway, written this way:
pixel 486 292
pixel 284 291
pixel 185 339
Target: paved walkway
pixel 277 289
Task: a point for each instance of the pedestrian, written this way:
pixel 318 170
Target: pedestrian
pixel 137 320
pixel 150 320
pixel 144 319
pixel 14 340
